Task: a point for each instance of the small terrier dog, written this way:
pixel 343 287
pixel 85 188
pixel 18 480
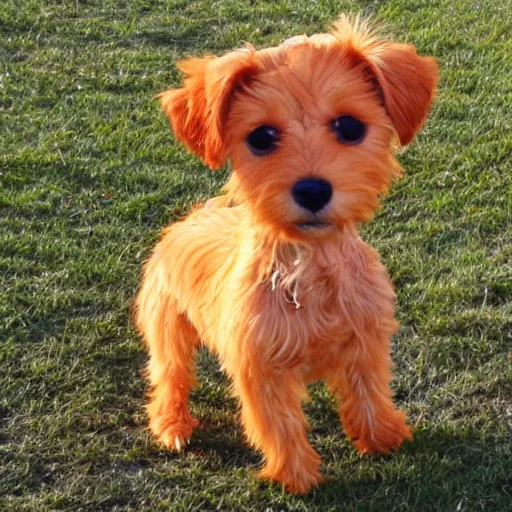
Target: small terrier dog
pixel 272 276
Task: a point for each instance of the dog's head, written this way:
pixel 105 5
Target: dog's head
pixel 310 126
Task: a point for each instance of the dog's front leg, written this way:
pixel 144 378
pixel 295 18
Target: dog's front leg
pixel 275 424
pixel 367 411
pixel 361 378
pixel 172 341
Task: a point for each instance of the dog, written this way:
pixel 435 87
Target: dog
pixel 273 276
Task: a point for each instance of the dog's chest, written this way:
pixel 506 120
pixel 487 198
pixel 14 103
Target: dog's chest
pixel 306 304
pixel 301 322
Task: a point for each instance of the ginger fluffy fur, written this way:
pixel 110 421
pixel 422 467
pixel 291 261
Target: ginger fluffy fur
pixel 280 305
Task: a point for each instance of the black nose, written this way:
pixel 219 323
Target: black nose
pixel 312 194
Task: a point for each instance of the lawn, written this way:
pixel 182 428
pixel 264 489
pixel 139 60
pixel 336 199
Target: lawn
pixel 90 173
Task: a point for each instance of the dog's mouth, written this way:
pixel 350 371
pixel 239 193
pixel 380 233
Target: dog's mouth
pixel 314 224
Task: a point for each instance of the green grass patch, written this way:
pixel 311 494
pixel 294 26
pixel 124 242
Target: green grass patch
pixel 90 173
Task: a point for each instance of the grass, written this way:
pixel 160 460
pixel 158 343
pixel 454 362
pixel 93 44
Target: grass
pixel 89 174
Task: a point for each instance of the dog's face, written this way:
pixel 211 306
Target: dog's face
pixel 310 142
pixel 309 126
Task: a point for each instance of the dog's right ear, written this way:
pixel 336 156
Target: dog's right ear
pixel 198 110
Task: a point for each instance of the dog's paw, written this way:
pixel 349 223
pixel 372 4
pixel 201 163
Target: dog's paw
pixel 174 433
pixel 300 478
pixel 386 435
pixel 296 482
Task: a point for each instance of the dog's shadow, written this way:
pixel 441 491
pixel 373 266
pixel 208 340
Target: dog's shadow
pixel 439 470
pixel 439 467
pixel 220 436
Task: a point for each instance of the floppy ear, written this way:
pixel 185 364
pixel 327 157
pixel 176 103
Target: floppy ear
pixel 408 83
pixel 406 80
pixel 198 110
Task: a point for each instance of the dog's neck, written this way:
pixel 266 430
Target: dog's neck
pixel 292 267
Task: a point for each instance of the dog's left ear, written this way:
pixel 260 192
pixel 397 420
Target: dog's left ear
pixel 199 109
pixel 406 80
pixel 408 84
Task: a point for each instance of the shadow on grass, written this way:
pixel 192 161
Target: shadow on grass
pixel 446 468
pixel 440 470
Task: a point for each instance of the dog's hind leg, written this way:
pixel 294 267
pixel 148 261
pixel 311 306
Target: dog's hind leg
pixel 172 343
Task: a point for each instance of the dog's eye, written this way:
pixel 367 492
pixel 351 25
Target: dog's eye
pixel 263 140
pixel 348 129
